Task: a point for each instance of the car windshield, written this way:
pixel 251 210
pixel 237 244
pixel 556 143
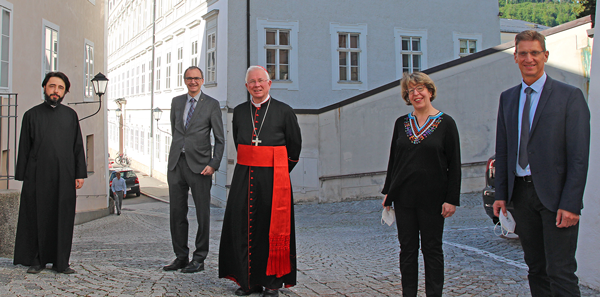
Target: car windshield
pixel 128 174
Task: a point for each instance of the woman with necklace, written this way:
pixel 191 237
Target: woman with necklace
pixel 423 182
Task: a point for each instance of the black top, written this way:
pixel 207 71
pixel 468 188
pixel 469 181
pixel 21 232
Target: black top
pixel 424 166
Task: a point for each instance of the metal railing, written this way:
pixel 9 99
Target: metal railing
pixel 8 136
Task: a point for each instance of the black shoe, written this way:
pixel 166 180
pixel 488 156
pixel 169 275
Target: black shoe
pixel 270 293
pixel 35 269
pixel 241 292
pixel 193 266
pixel 176 264
pixel 67 270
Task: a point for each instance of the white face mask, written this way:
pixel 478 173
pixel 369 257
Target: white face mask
pixel 388 216
pixel 507 223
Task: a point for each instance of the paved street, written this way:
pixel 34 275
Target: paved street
pixel 343 250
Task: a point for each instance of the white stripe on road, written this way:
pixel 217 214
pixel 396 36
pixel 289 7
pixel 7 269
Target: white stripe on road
pixel 488 254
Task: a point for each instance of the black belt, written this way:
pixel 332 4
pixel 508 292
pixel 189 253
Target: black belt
pixel 526 178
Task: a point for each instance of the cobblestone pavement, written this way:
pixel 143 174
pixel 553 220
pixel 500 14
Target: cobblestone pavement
pixel 343 250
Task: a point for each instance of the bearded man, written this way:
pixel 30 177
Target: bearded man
pixel 51 164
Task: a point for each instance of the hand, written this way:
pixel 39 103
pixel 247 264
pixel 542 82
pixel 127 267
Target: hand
pixel 78 183
pixel 208 170
pixel 448 210
pixel 383 203
pixel 565 219
pixel 498 205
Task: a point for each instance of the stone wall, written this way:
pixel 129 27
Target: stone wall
pixel 9 212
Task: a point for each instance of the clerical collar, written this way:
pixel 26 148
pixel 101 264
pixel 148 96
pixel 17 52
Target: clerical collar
pixel 259 104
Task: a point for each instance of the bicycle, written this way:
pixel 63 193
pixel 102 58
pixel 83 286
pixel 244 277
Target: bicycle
pixel 123 160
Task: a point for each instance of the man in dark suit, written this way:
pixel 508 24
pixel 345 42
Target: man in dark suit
pixel 191 166
pixel 542 152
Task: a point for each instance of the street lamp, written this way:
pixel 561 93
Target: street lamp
pixel 99 82
pixel 157 112
pixel 118 113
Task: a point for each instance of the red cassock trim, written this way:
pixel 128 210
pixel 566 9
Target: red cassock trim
pixel 279 232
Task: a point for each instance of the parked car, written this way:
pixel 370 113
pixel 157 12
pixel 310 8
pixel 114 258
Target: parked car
pixel 131 180
pixel 489 191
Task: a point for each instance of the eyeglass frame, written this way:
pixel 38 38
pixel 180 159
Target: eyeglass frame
pixel 535 54
pixel 193 78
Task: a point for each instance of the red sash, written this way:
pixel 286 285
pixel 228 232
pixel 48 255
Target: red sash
pixel 279 232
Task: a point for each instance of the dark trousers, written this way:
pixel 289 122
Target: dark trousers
pixel 549 250
pixel 180 181
pixel 411 222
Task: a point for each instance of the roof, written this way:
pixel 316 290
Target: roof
pixel 518 26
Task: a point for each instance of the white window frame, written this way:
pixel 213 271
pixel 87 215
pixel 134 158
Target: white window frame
pixel 400 33
pixel 361 29
pixel 180 66
pixel 88 71
pixel 456 37
pixel 168 72
pixel 52 26
pixel 7 6
pixel 157 73
pixel 292 83
pixel 210 70
pixel 194 53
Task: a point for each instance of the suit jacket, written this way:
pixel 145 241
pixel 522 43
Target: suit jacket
pixel 558 148
pixel 196 138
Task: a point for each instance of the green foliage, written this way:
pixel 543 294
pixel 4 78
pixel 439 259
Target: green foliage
pixel 544 12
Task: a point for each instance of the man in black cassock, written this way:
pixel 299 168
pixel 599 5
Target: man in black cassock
pixel 51 164
pixel 258 245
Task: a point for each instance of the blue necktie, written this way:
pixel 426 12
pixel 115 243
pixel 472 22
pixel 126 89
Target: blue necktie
pixel 190 113
pixel 523 159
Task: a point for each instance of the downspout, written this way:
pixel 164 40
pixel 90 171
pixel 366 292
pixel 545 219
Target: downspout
pixel 247 40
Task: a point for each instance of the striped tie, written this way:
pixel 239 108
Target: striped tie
pixel 190 113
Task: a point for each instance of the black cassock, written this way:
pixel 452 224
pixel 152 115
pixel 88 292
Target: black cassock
pixel 244 248
pixel 51 157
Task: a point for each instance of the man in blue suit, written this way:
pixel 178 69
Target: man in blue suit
pixel 542 152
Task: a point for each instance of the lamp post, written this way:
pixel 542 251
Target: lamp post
pixel 99 82
pixel 157 112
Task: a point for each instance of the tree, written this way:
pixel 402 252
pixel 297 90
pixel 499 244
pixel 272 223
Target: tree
pixel 587 7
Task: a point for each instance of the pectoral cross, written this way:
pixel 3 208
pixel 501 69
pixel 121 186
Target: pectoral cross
pixel 256 141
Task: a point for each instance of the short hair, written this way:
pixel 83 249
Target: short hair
pixel 60 75
pixel 416 78
pixel 530 35
pixel 256 67
pixel 193 67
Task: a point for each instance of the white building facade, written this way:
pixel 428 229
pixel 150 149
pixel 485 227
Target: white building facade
pixel 318 53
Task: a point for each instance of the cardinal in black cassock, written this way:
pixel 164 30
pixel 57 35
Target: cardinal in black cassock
pixel 258 247
pixel 50 160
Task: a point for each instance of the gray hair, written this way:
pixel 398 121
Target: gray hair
pixel 256 67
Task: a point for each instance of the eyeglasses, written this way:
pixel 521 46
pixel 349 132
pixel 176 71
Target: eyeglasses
pixel 419 88
pixel 524 54
pixel 260 81
pixel 193 78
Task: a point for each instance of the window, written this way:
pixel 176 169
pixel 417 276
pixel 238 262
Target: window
pixel 166 149
pixel 143 86
pixel 278 52
pixel 411 50
pixel 142 140
pixel 89 152
pixel 211 57
pixel 466 44
pixel 168 72
pixel 210 76
pixel 157 87
pixel 50 47
pixel 157 147
pixel 150 76
pixel 137 80
pixel 180 66
pixel 5 46
pixel 349 52
pixel 88 69
pixel 194 61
